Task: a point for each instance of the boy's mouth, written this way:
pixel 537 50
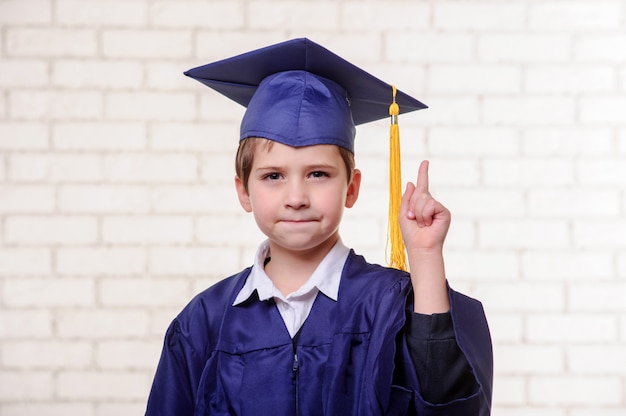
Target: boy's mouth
pixel 298 220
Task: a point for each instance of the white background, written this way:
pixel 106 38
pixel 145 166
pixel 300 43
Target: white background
pixel 117 201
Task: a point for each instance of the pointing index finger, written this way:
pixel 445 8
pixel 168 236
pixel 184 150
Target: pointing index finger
pixel 422 177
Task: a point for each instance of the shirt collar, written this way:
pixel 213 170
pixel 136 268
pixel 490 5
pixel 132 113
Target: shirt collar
pixel 325 278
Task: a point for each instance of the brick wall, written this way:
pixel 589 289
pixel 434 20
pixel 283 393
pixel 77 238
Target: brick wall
pixel 117 201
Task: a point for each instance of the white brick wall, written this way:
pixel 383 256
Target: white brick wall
pixel 116 182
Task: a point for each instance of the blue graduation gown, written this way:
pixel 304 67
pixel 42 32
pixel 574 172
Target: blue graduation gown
pixel 351 357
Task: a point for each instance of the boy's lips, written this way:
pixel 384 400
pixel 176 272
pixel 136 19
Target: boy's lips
pixel 298 220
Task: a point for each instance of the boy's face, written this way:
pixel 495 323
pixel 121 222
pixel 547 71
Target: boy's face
pixel 297 195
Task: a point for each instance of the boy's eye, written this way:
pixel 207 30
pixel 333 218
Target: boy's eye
pixel 272 176
pixel 319 174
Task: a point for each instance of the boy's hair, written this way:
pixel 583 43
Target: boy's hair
pixel 245 157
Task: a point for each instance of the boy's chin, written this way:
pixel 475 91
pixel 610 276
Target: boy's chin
pixel 304 245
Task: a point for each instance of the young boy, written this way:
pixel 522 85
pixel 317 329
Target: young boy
pixel 312 328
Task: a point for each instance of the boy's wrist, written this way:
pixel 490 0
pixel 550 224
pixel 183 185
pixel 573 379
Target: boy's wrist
pixel 428 278
pixel 425 253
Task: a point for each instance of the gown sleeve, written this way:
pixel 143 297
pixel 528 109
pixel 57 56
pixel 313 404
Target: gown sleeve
pixel 176 378
pixel 442 370
pixel 446 360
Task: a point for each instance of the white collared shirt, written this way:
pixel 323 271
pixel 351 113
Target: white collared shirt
pixel 296 306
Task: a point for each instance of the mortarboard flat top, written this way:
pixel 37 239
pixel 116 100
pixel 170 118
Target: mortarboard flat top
pixel 295 93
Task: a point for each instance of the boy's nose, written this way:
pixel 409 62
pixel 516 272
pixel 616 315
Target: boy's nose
pixel 297 196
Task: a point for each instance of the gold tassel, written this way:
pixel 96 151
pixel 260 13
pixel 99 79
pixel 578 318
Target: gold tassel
pixel 397 253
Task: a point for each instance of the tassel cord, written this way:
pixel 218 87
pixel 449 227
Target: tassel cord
pixel 395 243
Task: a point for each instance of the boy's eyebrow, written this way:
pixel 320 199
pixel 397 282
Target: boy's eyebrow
pixel 307 167
pixel 322 166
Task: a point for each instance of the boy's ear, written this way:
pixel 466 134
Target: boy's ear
pixel 353 189
pixel 242 194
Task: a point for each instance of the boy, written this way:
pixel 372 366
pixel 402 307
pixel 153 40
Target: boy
pixel 311 328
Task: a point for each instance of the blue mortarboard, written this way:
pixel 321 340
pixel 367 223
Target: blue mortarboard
pixel 300 94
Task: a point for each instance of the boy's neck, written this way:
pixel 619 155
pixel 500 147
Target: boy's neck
pixel 289 270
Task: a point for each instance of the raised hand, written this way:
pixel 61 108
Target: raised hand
pixel 424 222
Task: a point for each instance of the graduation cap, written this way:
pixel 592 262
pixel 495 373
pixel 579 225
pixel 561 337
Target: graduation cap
pixel 300 94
